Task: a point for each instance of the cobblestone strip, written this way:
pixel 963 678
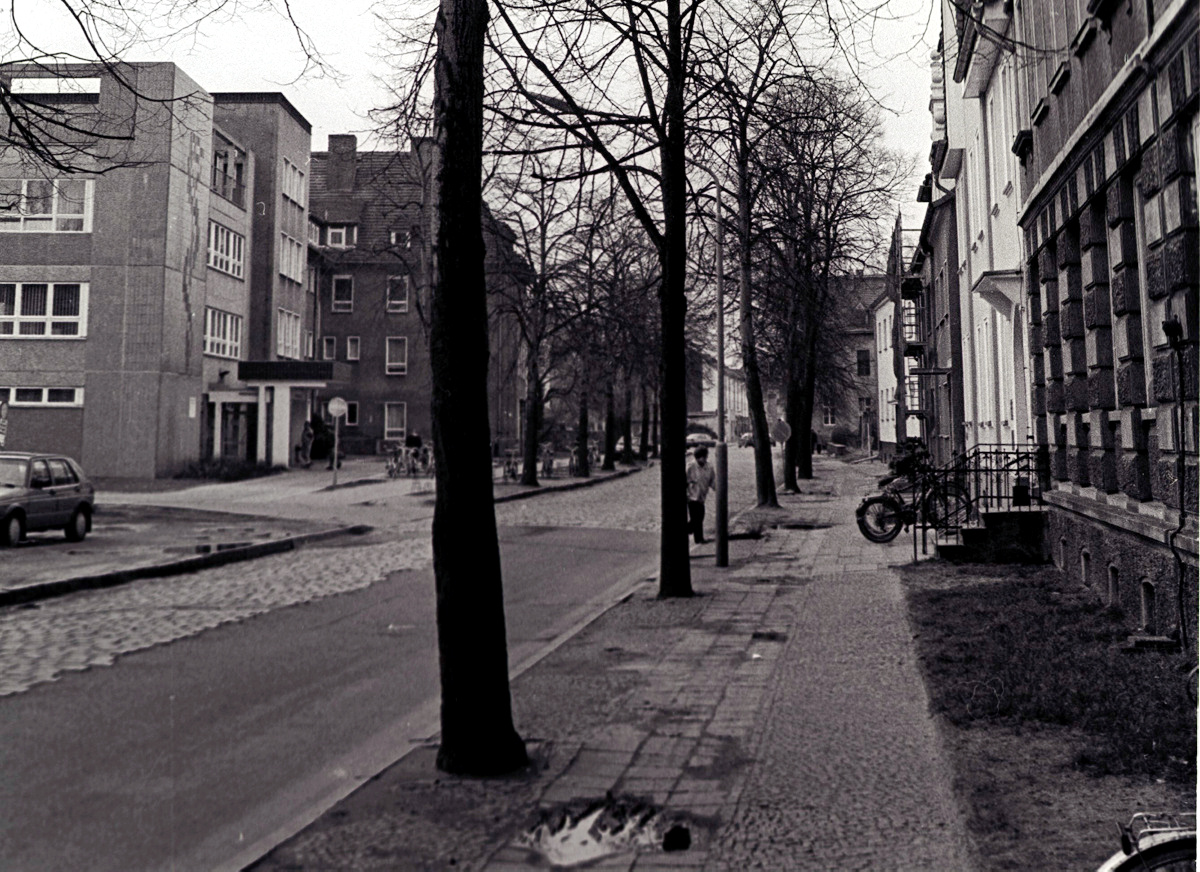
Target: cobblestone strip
pixel 93 629
pixel 849 772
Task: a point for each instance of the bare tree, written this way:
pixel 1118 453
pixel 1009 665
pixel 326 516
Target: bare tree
pixel 751 56
pixel 613 74
pixel 542 213
pixel 828 182
pixel 478 736
pixel 34 85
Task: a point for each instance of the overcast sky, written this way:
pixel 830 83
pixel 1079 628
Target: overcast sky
pixel 258 51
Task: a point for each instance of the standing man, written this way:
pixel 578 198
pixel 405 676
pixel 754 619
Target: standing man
pixel 700 478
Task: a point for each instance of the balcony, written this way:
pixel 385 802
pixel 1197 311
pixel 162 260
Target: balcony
pixel 911 288
pixel 229 187
pixel 914 331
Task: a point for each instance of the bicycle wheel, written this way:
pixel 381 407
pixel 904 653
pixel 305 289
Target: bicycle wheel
pixel 1177 855
pixel 880 518
pixel 947 506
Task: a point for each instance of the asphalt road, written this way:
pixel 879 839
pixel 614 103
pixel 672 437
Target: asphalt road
pixel 187 754
pixel 192 723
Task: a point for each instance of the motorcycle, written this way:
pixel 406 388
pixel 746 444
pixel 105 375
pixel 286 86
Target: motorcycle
pixel 925 498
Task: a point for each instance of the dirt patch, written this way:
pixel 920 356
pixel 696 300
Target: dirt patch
pixel 1055 735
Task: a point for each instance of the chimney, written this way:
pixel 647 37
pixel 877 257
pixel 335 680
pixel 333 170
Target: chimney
pixel 342 150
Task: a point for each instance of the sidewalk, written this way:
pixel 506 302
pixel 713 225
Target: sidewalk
pixel 775 721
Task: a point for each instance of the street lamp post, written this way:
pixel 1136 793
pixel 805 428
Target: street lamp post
pixel 722 469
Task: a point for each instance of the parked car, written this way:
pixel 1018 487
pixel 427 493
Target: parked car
pixel 695 440
pixel 43 492
pixel 746 440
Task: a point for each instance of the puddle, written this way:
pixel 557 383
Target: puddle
pixel 583 832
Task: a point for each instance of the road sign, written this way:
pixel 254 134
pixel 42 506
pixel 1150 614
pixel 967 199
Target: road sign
pixel 337 407
pixel 781 431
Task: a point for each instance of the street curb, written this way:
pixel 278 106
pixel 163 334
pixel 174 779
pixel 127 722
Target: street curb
pixel 51 589
pixel 575 485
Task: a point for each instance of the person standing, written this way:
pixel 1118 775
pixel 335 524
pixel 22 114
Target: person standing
pixel 306 442
pixel 700 478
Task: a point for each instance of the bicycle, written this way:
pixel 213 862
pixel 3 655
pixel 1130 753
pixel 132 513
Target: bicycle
pixel 1159 841
pixel 573 463
pixel 935 502
pixel 393 463
pixel 547 460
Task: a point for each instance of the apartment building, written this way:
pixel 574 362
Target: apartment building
pixel 143 297
pixel 1107 130
pixel 369 244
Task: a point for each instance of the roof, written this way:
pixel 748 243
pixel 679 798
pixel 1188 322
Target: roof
pixel 263 97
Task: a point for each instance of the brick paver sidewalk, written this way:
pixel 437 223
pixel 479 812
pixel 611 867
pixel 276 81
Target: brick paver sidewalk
pixel 775 721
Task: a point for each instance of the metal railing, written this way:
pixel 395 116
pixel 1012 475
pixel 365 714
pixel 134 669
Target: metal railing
pixel 994 478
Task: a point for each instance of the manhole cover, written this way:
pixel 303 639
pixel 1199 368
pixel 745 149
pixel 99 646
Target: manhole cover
pixel 583 832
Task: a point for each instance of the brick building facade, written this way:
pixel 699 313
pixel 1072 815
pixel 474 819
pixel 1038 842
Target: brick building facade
pixel 1109 216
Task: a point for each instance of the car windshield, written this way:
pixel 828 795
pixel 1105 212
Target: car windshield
pixel 12 472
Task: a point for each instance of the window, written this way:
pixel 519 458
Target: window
pixel 222 334
pixel 352 347
pixel 352 414
pixel 287 335
pixel 226 250
pixel 45 206
pixel 827 415
pixel 397 293
pixel 314 232
pixel 294 187
pixel 61 471
pixel 397 355
pixel 292 259
pixel 343 293
pixel 864 362
pixel 228 171
pixel 341 235
pixel 329 348
pixel 43 310
pixel 395 420
pixel 308 345
pixel 42 396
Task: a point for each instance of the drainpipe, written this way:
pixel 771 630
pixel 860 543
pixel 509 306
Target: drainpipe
pixel 1174 332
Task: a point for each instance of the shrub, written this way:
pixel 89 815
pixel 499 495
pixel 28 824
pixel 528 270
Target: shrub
pixel 227 469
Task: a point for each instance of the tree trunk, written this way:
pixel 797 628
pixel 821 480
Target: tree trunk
pixel 610 427
pixel 675 569
pixel 582 462
pixel 644 441
pixel 654 440
pixel 627 422
pixel 533 419
pixel 764 475
pixel 478 737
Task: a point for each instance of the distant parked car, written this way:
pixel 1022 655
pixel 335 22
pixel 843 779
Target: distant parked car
pixel 747 440
pixel 43 492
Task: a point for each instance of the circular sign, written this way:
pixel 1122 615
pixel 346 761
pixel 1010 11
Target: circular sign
pixel 782 431
pixel 337 407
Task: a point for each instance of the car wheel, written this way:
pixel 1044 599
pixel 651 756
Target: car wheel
pixel 78 526
pixel 12 530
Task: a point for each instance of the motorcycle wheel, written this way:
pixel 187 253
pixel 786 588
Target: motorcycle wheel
pixel 880 518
